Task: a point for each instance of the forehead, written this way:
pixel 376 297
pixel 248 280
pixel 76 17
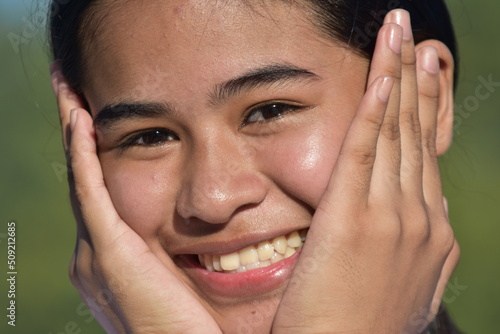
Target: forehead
pixel 201 21
pixel 138 42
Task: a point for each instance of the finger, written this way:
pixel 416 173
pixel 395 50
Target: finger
pixel 66 101
pixel 386 57
pixel 387 61
pixel 444 278
pixel 92 204
pixel 428 82
pixel 409 124
pixel 352 174
pixel 100 217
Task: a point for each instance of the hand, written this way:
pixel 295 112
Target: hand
pixel 125 285
pixel 379 250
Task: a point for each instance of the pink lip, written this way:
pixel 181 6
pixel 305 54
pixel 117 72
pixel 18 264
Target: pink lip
pixel 251 283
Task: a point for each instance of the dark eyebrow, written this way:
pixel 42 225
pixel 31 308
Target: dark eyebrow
pixel 258 77
pixel 115 113
pixel 266 75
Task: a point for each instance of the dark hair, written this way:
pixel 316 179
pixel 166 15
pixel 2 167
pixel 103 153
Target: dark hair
pixel 353 22
pixel 357 22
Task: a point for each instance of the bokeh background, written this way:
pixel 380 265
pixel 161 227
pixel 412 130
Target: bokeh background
pixel 33 192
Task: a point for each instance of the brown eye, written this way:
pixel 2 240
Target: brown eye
pixel 269 111
pixel 154 137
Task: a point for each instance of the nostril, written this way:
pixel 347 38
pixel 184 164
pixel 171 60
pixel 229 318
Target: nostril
pixel 214 194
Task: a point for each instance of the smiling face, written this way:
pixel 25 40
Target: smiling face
pixel 218 128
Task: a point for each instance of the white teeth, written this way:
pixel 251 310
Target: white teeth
pixel 258 256
pixel 294 240
pixel 263 264
pixel 265 250
pixel 253 266
pixel 279 244
pixel 277 257
pixel 216 263
pixel 289 252
pixel 208 263
pixel 248 256
pixel 201 258
pixel 230 261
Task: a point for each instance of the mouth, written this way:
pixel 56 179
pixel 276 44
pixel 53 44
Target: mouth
pixel 260 255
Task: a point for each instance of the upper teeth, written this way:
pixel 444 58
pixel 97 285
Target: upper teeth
pixel 257 256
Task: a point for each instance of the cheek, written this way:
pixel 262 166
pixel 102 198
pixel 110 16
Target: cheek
pixel 301 163
pixel 140 195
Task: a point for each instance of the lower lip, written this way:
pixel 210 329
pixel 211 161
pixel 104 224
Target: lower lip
pixel 238 285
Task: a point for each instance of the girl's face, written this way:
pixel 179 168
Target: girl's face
pixel 219 125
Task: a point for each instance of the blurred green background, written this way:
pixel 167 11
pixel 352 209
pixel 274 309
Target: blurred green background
pixel 33 192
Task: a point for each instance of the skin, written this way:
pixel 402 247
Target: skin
pixel 222 182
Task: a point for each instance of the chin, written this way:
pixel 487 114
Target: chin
pixel 248 316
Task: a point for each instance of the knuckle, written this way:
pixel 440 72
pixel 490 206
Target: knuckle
pixel 362 155
pixel 429 92
pixel 372 121
pixel 409 62
pixel 390 128
pixel 386 228
pixel 429 143
pixel 445 236
pixel 419 227
pixel 410 120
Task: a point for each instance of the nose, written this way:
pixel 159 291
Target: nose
pixel 220 179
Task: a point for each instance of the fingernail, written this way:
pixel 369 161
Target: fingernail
pixel 55 80
pixel 72 118
pixel 402 17
pixel 396 39
pixel 385 88
pixel 430 60
pixel 54 66
pixel 445 203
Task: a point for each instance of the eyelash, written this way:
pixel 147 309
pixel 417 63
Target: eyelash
pixel 281 109
pixel 161 135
